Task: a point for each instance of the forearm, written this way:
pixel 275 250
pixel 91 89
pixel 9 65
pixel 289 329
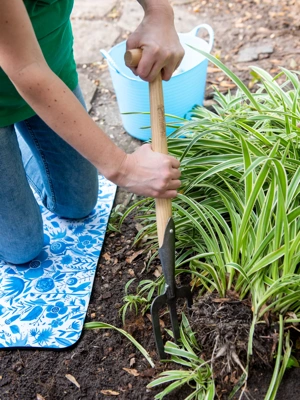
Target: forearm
pixel 59 108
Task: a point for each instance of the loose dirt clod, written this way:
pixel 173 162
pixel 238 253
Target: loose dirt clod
pixel 222 329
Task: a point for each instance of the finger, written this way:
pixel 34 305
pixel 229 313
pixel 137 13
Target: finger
pixel 156 69
pixel 168 69
pixel 146 65
pixel 174 162
pixel 169 194
pixel 133 70
pixel 176 173
pixel 147 147
pixel 172 64
pixel 174 184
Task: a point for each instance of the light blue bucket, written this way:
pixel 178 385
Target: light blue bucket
pixel 184 90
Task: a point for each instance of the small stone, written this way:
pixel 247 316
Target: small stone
pixel 115 269
pixel 131 272
pixel 106 295
pixel 252 53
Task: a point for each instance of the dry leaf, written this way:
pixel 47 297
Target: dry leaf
pixel 292 315
pixel 138 226
pixel 157 273
pixel 276 62
pixel 114 13
pixel 73 380
pixel 39 397
pixel 221 300
pixel 212 69
pixel 110 392
pixel 148 373
pixel 226 84
pixel 134 256
pixel 293 64
pixel 131 272
pixel 132 361
pixel 161 323
pixel 133 372
pixel 106 256
pixel 149 317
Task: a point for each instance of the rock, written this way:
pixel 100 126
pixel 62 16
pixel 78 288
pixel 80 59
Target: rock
pixel 87 9
pixel 90 37
pixel 132 16
pixel 106 295
pixel 252 53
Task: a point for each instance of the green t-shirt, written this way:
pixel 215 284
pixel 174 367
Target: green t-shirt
pixel 52 26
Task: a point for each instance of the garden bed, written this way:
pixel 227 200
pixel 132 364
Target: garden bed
pixel 97 362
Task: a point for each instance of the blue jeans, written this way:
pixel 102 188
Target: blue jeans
pixel 32 154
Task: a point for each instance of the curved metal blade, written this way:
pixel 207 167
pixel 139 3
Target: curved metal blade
pixel 157 304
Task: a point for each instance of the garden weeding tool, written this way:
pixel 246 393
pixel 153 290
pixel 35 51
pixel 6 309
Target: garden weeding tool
pixel 165 223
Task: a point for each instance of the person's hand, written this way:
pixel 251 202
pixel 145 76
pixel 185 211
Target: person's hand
pixel 157 36
pixel 149 173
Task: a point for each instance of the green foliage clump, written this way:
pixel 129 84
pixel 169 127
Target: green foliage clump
pixel 237 215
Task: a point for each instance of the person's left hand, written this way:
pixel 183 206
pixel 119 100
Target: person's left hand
pixel 157 37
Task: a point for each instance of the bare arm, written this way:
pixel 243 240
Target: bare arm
pixel 22 60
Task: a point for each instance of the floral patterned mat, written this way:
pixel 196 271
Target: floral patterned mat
pixel 44 303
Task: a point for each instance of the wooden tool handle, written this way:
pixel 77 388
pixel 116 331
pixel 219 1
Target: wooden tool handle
pixel 159 138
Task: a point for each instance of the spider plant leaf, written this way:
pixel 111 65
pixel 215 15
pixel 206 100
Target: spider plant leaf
pixel 240 270
pixel 293 78
pixel 102 325
pixel 270 395
pixel 176 351
pixel 269 80
pixel 232 76
pixel 294 187
pixel 267 260
pixel 252 199
pixel 170 388
pixel 263 139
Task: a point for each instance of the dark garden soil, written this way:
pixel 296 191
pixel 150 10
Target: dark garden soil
pixel 104 364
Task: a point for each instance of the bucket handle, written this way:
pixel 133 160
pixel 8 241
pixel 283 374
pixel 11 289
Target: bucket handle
pixel 194 32
pixel 110 60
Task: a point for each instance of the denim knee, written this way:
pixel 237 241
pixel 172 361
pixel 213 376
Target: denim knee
pixel 77 209
pixel 24 248
pixel 78 201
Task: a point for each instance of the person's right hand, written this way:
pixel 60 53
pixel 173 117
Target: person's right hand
pixel 156 35
pixel 149 173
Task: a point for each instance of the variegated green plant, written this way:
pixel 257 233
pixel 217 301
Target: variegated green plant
pixel 238 214
pixel 197 373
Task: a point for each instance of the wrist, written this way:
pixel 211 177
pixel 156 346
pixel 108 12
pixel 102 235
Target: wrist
pixel 157 7
pixel 114 172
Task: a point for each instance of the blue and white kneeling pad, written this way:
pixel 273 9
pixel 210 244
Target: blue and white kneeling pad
pixel 43 304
